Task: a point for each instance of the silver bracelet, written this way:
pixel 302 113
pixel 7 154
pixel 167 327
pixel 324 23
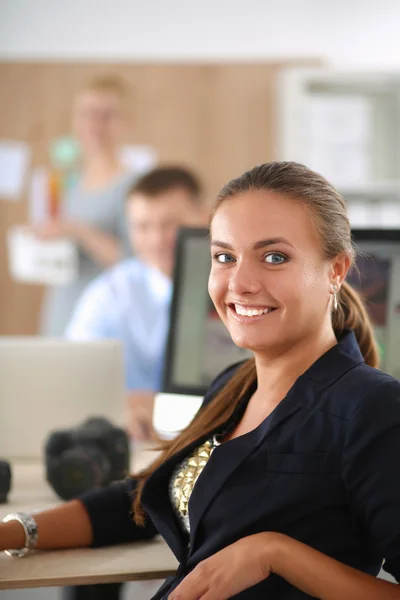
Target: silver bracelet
pixel 31 533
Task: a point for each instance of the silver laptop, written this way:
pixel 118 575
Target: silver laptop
pixel 199 346
pixel 48 384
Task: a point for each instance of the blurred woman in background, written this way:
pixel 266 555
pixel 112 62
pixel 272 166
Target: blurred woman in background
pixel 92 213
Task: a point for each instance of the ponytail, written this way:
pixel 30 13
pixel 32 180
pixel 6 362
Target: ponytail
pixel 352 314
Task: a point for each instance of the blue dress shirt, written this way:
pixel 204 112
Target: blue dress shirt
pixel 130 303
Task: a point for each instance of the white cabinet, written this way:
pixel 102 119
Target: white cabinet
pixel 346 126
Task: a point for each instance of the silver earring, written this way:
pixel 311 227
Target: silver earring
pixel 335 301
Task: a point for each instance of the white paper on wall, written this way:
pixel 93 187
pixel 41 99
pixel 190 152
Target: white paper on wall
pixel 14 160
pixel 138 159
pixel 337 136
pixel 37 195
pixel 43 262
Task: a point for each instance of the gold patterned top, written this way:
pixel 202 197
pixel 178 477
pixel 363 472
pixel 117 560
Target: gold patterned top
pixel 184 477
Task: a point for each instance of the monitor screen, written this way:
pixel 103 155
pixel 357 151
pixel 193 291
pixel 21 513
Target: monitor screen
pixel 199 345
pixel 378 281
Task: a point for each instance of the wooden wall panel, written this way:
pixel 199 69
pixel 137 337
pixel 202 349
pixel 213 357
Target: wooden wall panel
pixel 215 118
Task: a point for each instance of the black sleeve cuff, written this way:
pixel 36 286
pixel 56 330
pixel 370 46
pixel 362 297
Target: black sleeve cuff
pixel 110 513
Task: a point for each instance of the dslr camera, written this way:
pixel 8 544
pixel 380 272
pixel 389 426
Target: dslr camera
pixel 5 480
pixel 89 456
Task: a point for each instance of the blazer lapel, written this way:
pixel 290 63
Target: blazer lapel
pixel 156 499
pixel 157 503
pixel 228 457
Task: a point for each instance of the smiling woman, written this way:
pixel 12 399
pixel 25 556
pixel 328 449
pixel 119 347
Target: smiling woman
pixel 283 486
pixel 281 249
pixel 293 250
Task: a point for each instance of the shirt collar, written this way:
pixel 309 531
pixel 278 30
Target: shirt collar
pixel 159 283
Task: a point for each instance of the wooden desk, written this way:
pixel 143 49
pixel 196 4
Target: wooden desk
pixel 127 562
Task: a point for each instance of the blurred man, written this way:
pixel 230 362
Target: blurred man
pixel 131 301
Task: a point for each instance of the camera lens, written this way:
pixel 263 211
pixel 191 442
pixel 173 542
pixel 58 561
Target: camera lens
pixel 5 480
pixel 79 469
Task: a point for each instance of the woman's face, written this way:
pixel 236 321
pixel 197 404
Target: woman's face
pixel 98 120
pixel 269 280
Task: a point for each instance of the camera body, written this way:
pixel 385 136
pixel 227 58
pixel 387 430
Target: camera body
pixel 89 456
pixel 5 480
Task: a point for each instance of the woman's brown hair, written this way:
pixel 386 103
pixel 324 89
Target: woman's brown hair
pixel 108 84
pixel 328 211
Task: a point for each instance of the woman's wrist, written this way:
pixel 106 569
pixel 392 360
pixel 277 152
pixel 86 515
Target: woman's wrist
pixel 12 535
pixel 274 551
pixel 319 575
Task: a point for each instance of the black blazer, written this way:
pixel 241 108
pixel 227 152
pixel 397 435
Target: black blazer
pixel 323 468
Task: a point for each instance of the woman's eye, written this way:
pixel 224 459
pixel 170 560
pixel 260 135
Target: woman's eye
pixel 275 258
pixel 222 257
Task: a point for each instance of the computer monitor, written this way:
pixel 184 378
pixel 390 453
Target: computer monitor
pixel 378 280
pixel 48 384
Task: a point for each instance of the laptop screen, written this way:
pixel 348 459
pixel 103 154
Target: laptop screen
pixel 199 345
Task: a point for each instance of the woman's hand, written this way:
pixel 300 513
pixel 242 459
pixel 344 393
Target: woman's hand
pixel 140 407
pixel 55 229
pixel 102 247
pixel 231 570
pixel 251 560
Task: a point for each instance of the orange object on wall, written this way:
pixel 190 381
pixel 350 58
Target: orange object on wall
pixel 54 194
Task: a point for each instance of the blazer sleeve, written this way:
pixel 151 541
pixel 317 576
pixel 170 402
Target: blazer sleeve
pixel 371 471
pixel 110 513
